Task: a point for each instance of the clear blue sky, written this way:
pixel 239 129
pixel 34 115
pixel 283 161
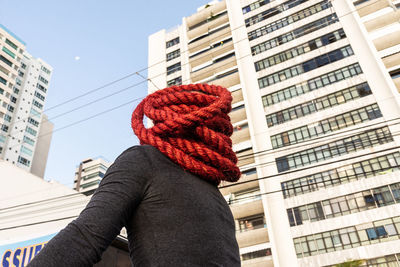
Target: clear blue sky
pixel 110 37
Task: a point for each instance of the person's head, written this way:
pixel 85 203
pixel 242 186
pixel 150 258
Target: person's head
pixel 192 128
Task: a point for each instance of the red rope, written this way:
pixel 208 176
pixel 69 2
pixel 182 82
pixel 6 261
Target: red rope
pixel 192 128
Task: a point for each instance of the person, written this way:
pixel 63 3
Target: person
pixel 164 191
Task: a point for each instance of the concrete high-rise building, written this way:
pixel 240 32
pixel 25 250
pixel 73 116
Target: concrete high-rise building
pixel 24 81
pixel 42 147
pixel 316 115
pixel 89 174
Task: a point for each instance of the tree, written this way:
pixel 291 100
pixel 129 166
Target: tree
pixel 350 263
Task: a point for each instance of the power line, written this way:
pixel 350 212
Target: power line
pixel 149 79
pixel 324 137
pixel 137 73
pixel 309 167
pixel 233 184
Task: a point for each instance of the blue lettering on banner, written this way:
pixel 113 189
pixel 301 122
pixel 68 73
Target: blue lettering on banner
pixel 21 253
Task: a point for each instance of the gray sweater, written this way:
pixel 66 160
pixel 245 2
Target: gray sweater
pixel 173 218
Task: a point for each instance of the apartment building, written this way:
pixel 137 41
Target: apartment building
pixel 89 174
pixel 315 88
pixel 24 81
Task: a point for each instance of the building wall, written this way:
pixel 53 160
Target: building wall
pixel 33 208
pixel 11 53
pixel 311 78
pixel 39 160
pixel 25 97
pixel 89 174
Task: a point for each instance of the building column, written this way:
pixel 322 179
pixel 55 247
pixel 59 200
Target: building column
pixel 283 252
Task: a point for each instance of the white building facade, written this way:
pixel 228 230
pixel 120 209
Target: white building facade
pixel 89 174
pixel 316 115
pixel 23 99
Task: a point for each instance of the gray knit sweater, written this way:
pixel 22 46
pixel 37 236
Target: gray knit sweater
pixel 173 218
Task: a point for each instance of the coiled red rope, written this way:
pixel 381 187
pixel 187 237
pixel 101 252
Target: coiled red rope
pixel 192 128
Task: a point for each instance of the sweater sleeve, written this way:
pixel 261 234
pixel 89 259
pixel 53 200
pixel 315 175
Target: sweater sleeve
pixel 83 241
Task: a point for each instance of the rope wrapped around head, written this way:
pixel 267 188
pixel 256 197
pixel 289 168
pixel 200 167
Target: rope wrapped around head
pixel 192 128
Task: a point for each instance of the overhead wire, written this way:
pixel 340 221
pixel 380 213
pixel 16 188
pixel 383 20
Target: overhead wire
pixel 148 79
pixel 137 73
pixel 248 181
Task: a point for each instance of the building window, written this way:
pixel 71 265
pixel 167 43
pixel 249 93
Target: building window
pixel 318 104
pixel 255 5
pixel 297 33
pixel 38 95
pixel 4 128
pixel 349 237
pixel 340 206
pixel 31 131
pixel 273 11
pixel 45 70
pixel 26 151
pixel 7 118
pixel 299 50
pixel 33 122
pixel 23 66
pixel 312 84
pixel 256 254
pixel 43 80
pixel 37 104
pixel 10 108
pixel 41 87
pixel 172 42
pixel 24 161
pixel 334 149
pixel 173 68
pixel 14 46
pixel 29 141
pixel 308 132
pixel 280 23
pixel 176 81
pixel 8 62
pixel 8 52
pixel 306 66
pixel 3 81
pixel 345 174
pixel 173 54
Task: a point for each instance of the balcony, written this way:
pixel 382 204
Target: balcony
pixel 253 206
pixel 238 115
pixel 210 54
pixel 212 69
pixel 387 41
pixel 209 40
pixel 252 237
pixel 246 157
pixel 241 135
pixel 368 7
pixel 237 96
pixel 204 14
pixel 392 60
pixel 382 21
pixel 259 262
pixel 211 24
pixel 240 187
